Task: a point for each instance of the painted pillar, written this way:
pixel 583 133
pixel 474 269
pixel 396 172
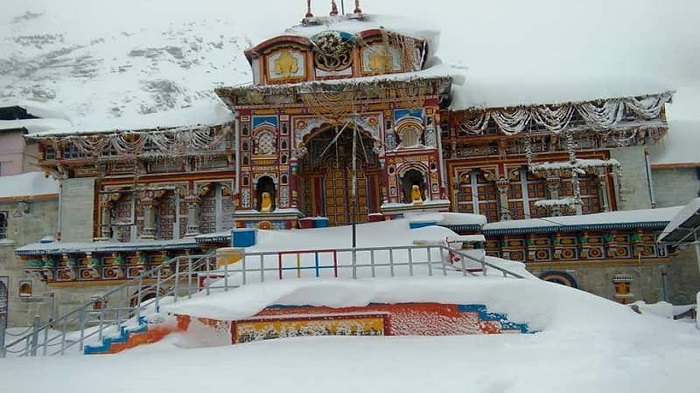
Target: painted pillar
pixel 149 218
pixel 105 218
pixel 603 189
pixel 553 184
pixel 192 203
pixel 503 186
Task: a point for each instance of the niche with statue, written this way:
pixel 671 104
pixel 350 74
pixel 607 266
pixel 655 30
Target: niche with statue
pixel 265 195
pixel 413 187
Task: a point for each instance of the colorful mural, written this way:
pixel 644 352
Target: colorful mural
pixel 405 319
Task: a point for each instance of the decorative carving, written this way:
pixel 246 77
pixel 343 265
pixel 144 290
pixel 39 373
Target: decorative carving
pixel 286 65
pixel 331 51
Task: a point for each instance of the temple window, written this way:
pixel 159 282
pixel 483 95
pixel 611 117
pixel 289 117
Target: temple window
pixel 525 191
pixel 478 196
pixel 216 209
pixel 589 191
pixel 3 225
pixel 410 136
pixel 284 144
pixel 266 143
pixel 246 130
pixel 71 151
pixel 49 152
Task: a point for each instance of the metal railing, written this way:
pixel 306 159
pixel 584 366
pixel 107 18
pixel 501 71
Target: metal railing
pixel 102 316
pixel 186 276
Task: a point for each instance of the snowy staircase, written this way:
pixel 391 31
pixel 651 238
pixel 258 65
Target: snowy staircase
pixel 111 327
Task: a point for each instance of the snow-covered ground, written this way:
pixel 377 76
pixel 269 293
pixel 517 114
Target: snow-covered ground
pixel 583 343
pixel 587 344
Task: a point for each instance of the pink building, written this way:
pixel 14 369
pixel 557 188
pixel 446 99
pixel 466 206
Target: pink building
pixel 17 154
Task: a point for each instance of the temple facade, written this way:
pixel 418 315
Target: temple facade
pixel 354 121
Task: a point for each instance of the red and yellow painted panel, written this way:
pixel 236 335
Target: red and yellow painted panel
pixel 418 319
pixel 266 328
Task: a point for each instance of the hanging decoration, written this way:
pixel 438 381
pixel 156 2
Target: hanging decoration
pixel 172 142
pixel 598 115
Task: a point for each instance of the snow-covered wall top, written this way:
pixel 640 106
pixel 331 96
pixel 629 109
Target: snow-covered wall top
pixel 617 218
pixel 203 114
pixel 680 147
pixel 30 184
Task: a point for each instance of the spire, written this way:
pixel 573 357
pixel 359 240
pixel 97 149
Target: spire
pixel 334 8
pixel 357 7
pixel 308 10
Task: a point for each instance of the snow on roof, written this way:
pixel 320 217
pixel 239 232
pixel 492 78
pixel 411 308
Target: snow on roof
pixel 345 23
pixel 209 113
pixel 683 215
pixel 37 109
pixel 104 246
pixel 34 125
pixel 29 184
pixel 597 220
pixel 679 147
pixel 485 91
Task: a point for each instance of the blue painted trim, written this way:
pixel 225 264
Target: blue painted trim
pixel 575 228
pixel 564 275
pixel 484 315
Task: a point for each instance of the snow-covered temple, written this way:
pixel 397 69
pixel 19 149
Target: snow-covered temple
pixel 354 118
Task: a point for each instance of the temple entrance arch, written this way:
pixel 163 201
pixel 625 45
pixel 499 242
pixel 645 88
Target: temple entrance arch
pixel 325 176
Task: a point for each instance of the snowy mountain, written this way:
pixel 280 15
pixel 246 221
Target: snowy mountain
pixel 98 59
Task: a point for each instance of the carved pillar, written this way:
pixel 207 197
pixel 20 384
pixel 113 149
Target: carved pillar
pixel 503 186
pixel 294 183
pixel 149 218
pixel 192 203
pixel 105 217
pixel 603 189
pixel 553 184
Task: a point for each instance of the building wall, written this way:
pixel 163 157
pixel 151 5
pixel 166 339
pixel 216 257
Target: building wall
pixel 675 186
pixel 632 187
pixel 77 208
pixel 11 149
pixel 25 225
pixel 647 280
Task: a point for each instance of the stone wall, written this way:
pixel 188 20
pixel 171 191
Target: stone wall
pixel 675 186
pixel 27 223
pixel 632 188
pixel 647 279
pixel 77 207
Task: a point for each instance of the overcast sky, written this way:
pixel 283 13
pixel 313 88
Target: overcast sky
pixel 503 40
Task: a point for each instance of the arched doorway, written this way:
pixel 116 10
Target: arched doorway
pixel 325 176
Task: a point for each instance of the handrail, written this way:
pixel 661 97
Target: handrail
pixel 78 314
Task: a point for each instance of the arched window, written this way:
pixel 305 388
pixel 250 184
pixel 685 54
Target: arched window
pixel 3 225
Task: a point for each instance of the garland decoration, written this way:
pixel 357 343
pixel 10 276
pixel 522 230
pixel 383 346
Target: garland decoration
pixel 598 115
